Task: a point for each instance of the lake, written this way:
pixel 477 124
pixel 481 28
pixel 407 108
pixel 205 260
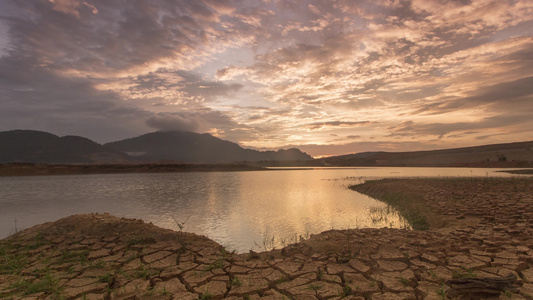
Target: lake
pixel 240 210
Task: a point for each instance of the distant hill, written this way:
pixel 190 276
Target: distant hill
pixel 497 155
pixel 29 146
pixel 197 148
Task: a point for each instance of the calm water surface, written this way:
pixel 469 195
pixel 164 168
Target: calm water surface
pixel 240 210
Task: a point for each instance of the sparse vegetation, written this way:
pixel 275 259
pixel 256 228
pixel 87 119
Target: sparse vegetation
pixel 467 273
pixel 236 282
pixel 346 290
pixel 46 284
pixel 403 202
pixel 142 241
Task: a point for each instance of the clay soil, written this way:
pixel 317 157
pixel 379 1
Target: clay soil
pixel 478 228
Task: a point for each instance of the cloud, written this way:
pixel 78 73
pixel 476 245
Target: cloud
pixel 500 123
pixel 270 73
pixel 320 125
pixel 168 122
pixel 198 121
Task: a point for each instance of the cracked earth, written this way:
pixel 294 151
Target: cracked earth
pixel 98 256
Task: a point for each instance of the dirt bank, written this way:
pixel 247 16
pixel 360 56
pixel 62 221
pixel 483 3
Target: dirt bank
pixel 103 257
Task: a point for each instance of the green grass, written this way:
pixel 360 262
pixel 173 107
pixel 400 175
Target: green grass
pixel 405 203
pixel 314 287
pixel 46 284
pixel 12 261
pixel 468 273
pixel 74 257
pixel 218 264
pixel 346 291
pixel 145 273
pixel 142 241
pixel 235 281
pixel 106 278
pixel 405 281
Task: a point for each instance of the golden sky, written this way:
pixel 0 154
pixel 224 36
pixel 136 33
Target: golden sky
pixel 328 77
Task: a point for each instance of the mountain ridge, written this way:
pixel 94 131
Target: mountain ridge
pixel 32 146
pixel 515 154
pixel 197 148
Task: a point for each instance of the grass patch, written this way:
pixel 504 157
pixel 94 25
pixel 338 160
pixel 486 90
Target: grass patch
pixel 142 241
pixel 12 261
pixel 405 202
pixel 236 282
pixel 468 273
pixel 46 284
pixel 145 273
pixel 217 264
pixel 74 257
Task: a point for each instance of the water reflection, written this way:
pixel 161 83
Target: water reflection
pixel 240 210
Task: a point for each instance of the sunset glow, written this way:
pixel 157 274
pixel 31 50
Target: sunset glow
pixel 328 77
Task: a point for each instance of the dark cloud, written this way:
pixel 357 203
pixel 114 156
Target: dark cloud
pixel 199 121
pixel 319 125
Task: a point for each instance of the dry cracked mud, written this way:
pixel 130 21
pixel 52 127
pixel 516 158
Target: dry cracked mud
pixel 98 256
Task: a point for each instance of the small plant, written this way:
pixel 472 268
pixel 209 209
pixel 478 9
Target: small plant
pixel 218 264
pixel 38 241
pixel 507 293
pixel 145 273
pixel 268 242
pixel 142 241
pixel 235 281
pixel 372 282
pixel 406 256
pixel 468 273
pixel 11 263
pixel 106 278
pixel 281 279
pixel 149 292
pixel 181 234
pixel 346 290
pixel 320 274
pixel 164 292
pixel 99 264
pixel 47 284
pixel 314 286
pixel 405 281
pixel 206 296
pixel 442 292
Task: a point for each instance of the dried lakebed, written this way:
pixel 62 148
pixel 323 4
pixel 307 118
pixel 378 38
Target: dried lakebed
pixel 478 228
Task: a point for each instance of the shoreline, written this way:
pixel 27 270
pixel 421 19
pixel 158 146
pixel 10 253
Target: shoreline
pixel 41 169
pixel 34 169
pixel 478 228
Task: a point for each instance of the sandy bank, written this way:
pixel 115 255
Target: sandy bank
pixel 103 257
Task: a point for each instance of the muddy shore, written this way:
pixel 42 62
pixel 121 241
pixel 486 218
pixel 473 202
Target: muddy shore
pixel 478 229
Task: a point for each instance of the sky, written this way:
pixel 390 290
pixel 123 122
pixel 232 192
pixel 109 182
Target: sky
pixel 327 77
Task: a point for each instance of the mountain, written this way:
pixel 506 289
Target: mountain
pixel 29 146
pixel 497 155
pixel 197 148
